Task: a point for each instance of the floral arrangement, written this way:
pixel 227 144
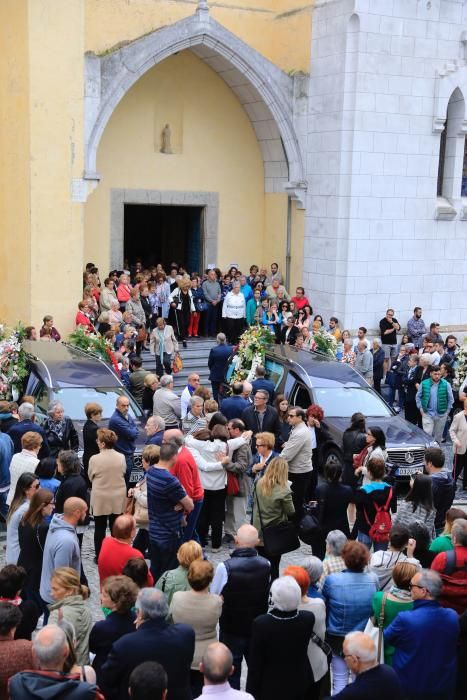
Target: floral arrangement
pixel 251 351
pixel 325 343
pixel 461 365
pixel 13 362
pixel 96 343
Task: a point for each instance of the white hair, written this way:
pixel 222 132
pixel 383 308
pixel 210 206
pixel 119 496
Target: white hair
pixel 432 581
pixel 157 420
pixel 221 338
pixel 50 651
pixel 26 411
pixel 53 405
pixel 335 541
pixel 196 399
pixel 314 567
pixel 166 380
pixel 427 357
pixel 377 341
pixel 153 604
pixel 286 594
pixel 356 648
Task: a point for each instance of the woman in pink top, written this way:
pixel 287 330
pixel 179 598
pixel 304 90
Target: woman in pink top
pixel 123 290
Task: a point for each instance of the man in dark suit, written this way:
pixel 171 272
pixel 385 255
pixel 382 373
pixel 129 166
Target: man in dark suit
pixel 155 639
pixel 27 424
pixel 217 363
pixel 234 406
pixel 261 418
pixel 262 383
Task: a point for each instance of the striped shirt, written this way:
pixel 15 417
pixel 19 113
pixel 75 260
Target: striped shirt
pixel 164 492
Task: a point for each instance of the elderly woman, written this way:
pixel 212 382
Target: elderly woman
pixel 348 355
pixel 123 290
pixel 317 658
pixel 177 579
pixel 349 597
pixel 234 313
pixel 106 473
pixel 151 383
pixel 48 325
pixel 59 429
pixel 115 316
pixel 83 317
pixel 333 562
pixel 194 419
pixel 182 305
pixel 314 568
pixel 108 296
pixel 378 364
pixel 201 610
pixel 138 317
pixel 279 640
pixel 164 345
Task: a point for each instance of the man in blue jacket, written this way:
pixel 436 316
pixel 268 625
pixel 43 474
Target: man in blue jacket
pixel 6 454
pixel 234 406
pixel 262 383
pixel 425 639
pixel 27 424
pixel 217 363
pixel 126 430
pixel 155 639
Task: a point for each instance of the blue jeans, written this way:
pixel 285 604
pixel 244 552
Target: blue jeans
pixel 211 319
pixel 240 647
pixel 367 541
pixel 189 533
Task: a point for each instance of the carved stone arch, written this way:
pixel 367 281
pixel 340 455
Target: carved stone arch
pixel 265 91
pixel 449 80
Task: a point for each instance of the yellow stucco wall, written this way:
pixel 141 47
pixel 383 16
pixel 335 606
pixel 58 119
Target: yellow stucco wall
pixel 14 162
pixel 220 153
pixel 279 29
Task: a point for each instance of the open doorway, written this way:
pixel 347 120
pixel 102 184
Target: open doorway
pixel 164 234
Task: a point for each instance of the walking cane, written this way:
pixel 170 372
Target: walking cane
pixel 454 465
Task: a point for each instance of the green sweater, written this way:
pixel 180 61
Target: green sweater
pixel 275 508
pixel 74 610
pixel 443 543
pixel 172 581
pixel 391 610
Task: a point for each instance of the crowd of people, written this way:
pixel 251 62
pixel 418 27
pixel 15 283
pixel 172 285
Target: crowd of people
pixel 378 607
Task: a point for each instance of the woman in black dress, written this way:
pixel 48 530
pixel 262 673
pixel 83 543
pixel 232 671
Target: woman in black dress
pixel 93 413
pixel 353 442
pixel 333 501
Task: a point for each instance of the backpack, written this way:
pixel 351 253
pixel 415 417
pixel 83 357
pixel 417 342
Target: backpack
pixel 454 593
pixel 379 529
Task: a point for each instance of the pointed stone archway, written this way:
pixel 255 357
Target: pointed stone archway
pixel 266 93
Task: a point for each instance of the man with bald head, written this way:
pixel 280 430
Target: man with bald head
pixel 243 581
pixel 373 680
pixel 50 650
pixel 61 545
pixel 117 549
pixel 216 667
pixel 186 471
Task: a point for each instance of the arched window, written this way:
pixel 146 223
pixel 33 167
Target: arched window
pixel 452 159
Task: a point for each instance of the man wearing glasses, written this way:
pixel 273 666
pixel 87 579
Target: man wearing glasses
pixel 425 640
pixel 261 418
pixel 372 679
pixel 297 451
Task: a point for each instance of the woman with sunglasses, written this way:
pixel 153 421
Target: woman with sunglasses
pixel 26 485
pixel 32 532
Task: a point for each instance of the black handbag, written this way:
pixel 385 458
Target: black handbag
pixel 323 645
pixel 278 539
pixel 310 525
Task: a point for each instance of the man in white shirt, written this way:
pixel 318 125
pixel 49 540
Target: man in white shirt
pixel 361 338
pixel 187 393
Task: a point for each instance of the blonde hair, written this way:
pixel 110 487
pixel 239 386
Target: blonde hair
pixel 151 454
pixel 188 553
pixel 150 378
pixel 31 440
pixel 269 439
pixel 68 578
pixel 276 475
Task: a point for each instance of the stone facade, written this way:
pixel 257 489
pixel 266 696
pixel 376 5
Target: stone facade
pixel 382 75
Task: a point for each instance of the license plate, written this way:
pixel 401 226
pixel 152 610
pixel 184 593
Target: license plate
pixel 407 471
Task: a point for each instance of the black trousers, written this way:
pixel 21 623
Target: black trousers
pixel 100 526
pixel 273 559
pixel 460 467
pixel 212 514
pixel 300 485
pixel 165 365
pixel 233 329
pixel 411 412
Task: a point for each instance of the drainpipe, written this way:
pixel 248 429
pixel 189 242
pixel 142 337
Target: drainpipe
pixel 288 244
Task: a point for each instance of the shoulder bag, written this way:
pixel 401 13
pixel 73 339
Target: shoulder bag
pixel 280 538
pixel 323 645
pixel 376 632
pixel 310 524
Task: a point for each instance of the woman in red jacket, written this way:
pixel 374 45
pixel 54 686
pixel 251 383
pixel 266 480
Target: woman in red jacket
pixel 123 291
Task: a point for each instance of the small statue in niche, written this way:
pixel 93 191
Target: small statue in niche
pixel 166 139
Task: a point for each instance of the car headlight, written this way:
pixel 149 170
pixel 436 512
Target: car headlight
pixel 433 443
